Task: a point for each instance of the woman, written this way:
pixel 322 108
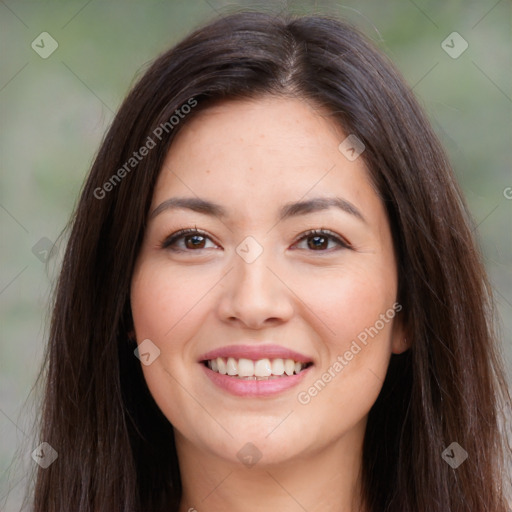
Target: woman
pixel 271 298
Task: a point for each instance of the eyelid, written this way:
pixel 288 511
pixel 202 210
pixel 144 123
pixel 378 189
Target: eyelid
pixel 341 241
pixel 173 237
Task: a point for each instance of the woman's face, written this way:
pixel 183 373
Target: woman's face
pixel 256 291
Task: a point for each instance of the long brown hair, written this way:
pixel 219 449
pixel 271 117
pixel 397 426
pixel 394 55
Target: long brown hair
pixel 116 449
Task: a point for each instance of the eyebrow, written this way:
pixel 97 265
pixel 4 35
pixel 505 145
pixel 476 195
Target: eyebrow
pixel 203 206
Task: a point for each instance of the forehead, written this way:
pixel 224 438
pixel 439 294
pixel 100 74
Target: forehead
pixel 262 152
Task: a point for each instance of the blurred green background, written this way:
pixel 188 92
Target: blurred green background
pixel 55 110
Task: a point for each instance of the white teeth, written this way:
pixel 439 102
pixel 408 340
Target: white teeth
pixel 245 368
pixel 256 370
pixel 289 366
pixel 278 367
pixel 231 366
pixel 222 365
pixel 262 368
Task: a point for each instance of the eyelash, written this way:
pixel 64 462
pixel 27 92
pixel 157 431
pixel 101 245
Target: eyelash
pixel 168 242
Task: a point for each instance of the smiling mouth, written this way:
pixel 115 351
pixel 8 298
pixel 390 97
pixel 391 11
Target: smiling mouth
pixel 261 369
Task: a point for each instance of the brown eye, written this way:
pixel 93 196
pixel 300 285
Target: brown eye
pixel 320 240
pixel 317 242
pixel 187 240
pixel 195 241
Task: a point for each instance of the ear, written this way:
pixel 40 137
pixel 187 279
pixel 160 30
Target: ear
pixel 400 345
pixel 400 338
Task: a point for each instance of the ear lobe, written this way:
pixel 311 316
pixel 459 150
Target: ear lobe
pixel 401 341
pixel 400 344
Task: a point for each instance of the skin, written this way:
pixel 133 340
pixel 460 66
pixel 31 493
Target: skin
pixel 252 157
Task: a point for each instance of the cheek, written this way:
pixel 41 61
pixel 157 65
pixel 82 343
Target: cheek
pixel 345 302
pixel 168 307
pixel 353 312
pixel 165 301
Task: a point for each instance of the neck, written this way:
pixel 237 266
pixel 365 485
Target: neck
pixel 328 480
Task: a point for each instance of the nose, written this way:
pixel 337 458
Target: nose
pixel 253 295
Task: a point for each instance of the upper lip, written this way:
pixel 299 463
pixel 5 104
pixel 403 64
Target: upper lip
pixel 255 352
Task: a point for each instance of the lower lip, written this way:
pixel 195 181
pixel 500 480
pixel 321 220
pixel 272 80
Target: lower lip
pixel 254 388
